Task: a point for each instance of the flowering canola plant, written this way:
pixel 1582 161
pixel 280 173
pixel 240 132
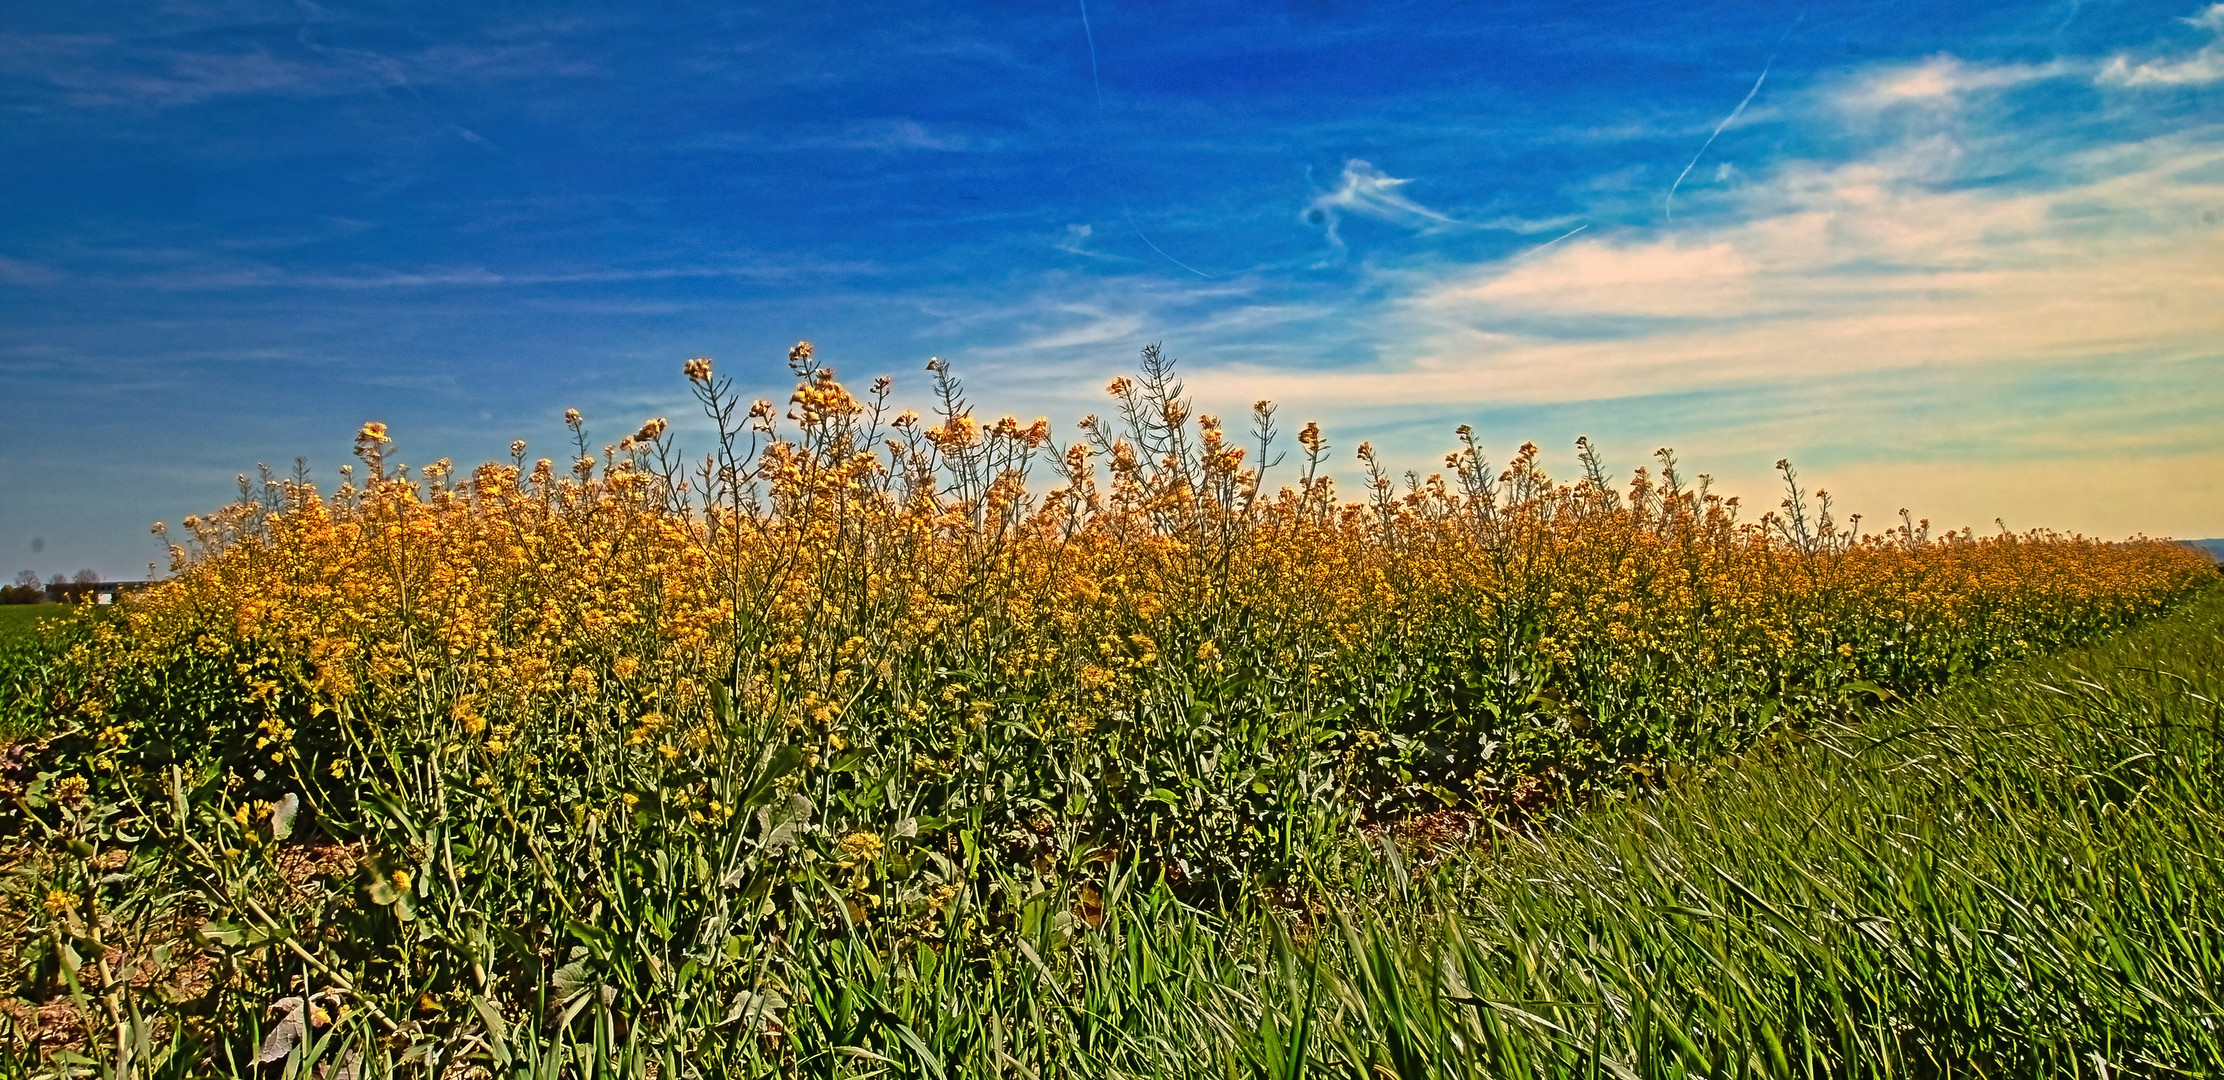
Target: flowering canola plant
pixel 893 587
pixel 899 651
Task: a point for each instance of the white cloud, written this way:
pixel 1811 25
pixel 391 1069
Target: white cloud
pixel 1662 279
pixel 1839 286
pixel 2203 67
pixel 1369 192
pixel 1833 269
pixel 1075 241
pixel 1942 80
pixel 1077 324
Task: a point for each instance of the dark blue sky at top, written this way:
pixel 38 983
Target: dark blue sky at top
pixel 230 232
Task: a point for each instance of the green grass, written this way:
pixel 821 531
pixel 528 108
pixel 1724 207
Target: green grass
pixel 2024 877
pixel 25 658
pixel 17 620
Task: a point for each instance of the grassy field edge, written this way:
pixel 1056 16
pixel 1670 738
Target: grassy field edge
pixel 2019 876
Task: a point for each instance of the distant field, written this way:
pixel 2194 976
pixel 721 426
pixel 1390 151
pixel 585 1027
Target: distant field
pixel 20 618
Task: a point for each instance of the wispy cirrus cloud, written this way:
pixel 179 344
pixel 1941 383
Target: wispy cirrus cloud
pixel 87 71
pixel 884 133
pixel 1075 240
pixel 22 272
pixel 2072 306
pixel 1828 269
pixel 221 277
pixel 1371 193
pixel 903 134
pixel 2203 67
pixel 1944 79
pixel 1904 255
pixel 80 71
pixel 1075 325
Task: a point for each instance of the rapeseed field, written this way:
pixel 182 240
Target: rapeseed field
pixel 597 765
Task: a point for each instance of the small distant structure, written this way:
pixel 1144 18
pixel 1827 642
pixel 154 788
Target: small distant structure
pixel 92 592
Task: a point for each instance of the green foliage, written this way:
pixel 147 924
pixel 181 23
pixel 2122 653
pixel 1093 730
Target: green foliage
pixel 2021 878
pixel 2018 878
pixel 32 638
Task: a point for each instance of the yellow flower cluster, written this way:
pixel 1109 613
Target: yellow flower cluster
pixel 861 580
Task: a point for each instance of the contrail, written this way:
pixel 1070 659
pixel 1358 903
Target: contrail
pixel 1554 240
pixel 1668 205
pixel 1096 82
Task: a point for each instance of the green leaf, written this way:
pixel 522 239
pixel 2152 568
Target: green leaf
pixel 783 761
pixel 225 934
pixel 927 1057
pixel 497 1031
pixel 236 936
pixel 572 978
pixel 1866 687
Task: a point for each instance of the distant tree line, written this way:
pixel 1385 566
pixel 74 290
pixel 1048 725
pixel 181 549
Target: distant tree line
pixel 28 589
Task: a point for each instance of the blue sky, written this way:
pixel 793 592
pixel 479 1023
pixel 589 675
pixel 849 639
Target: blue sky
pixel 1967 259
